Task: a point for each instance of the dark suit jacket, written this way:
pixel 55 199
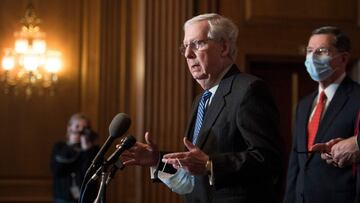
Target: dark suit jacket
pixel 310 179
pixel 240 134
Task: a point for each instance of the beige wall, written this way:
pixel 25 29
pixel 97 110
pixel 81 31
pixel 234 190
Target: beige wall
pixel 122 56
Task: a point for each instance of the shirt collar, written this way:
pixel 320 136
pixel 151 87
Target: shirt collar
pixel 331 89
pixel 215 87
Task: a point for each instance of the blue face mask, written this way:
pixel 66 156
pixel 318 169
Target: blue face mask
pixel 318 67
pixel 181 182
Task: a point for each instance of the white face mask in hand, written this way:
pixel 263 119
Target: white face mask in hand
pixel 180 182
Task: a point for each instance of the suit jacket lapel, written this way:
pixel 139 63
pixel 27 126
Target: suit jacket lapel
pixel 335 106
pixel 217 104
pixel 304 119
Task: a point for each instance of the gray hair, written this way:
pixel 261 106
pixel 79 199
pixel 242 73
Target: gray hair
pixel 221 28
pixel 342 42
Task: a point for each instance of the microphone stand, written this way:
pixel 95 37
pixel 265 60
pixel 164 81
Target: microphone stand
pixel 117 165
pixel 101 196
pixel 87 180
pixel 106 177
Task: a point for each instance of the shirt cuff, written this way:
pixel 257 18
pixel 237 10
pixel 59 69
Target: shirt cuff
pixel 153 169
pixel 210 170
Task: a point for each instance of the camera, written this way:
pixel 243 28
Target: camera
pixel 89 134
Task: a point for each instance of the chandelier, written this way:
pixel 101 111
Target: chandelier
pixel 30 66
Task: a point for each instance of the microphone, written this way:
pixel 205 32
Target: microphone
pixel 126 143
pixel 118 126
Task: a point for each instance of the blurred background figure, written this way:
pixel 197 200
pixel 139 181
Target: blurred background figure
pixel 70 160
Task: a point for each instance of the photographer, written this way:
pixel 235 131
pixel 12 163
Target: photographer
pixel 71 158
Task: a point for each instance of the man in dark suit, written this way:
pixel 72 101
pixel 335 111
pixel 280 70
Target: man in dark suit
pixel 233 146
pixel 327 114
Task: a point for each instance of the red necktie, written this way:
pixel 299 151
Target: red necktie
pixel 315 120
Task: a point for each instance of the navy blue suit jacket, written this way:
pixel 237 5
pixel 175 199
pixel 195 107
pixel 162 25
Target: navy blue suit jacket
pixel 310 179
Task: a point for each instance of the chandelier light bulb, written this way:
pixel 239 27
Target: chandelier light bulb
pixel 53 62
pixel 31 62
pixel 8 62
pixel 21 45
pixel 39 46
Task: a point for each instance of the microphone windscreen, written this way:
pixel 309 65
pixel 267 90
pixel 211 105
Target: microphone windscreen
pixel 119 125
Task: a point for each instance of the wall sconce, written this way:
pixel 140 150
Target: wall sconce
pixel 30 65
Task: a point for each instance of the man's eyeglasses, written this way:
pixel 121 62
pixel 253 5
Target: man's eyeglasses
pixel 321 51
pixel 196 45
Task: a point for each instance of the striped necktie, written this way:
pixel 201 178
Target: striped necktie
pixel 200 114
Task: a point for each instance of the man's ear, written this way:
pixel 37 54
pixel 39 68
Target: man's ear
pixel 225 48
pixel 345 58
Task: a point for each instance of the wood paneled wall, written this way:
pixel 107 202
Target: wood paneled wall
pixel 168 86
pixel 29 127
pixel 122 56
pixel 282 28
